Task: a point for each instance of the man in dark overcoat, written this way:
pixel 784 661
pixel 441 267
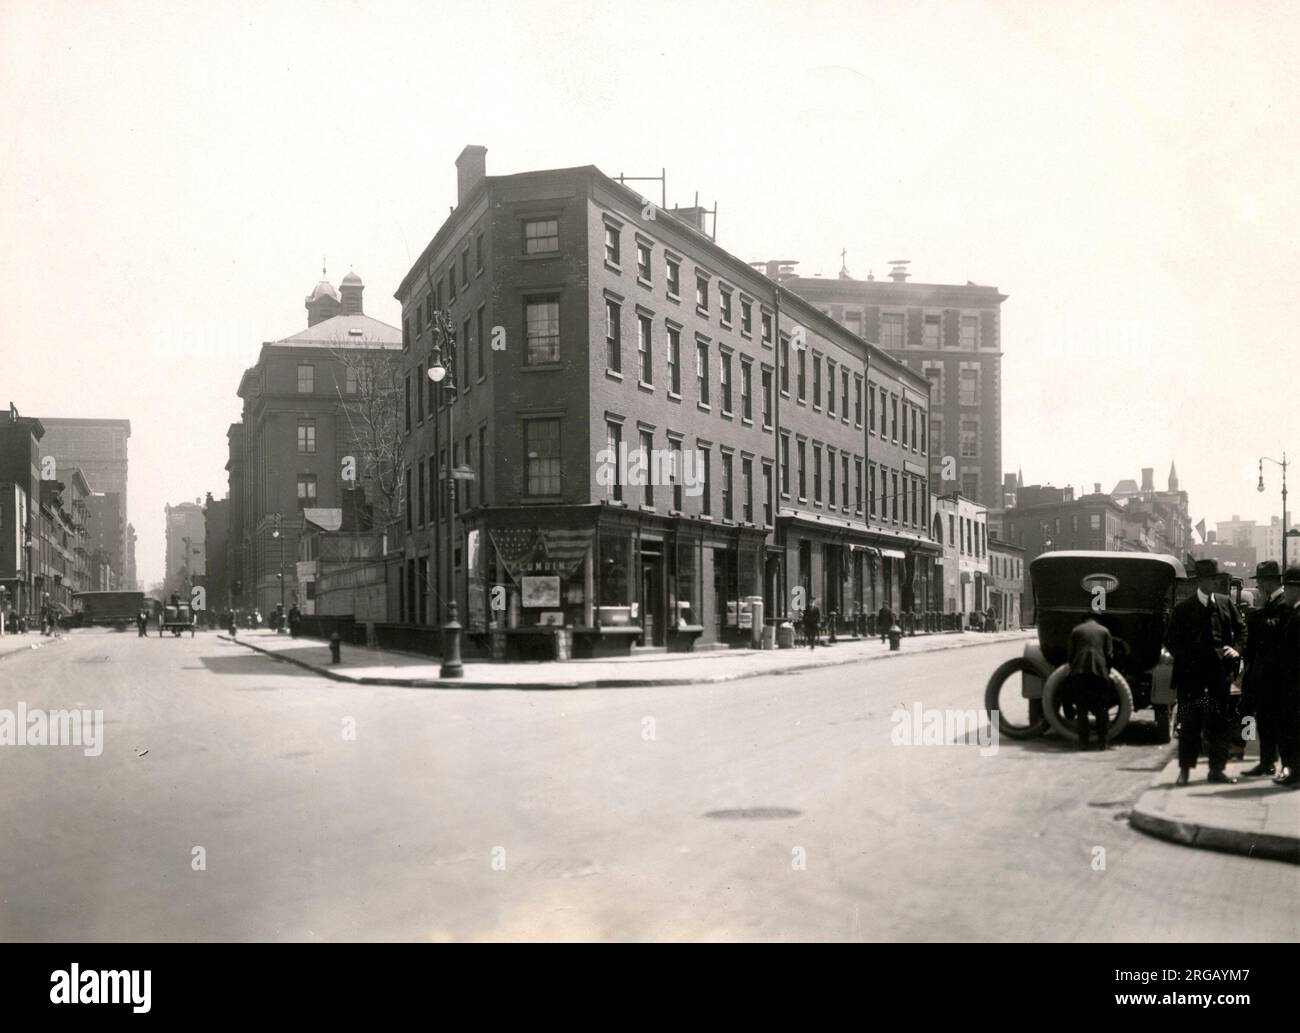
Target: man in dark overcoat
pixel 1206 635
pixel 1088 682
pixel 1259 687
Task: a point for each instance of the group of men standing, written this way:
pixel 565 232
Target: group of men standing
pixel 1209 641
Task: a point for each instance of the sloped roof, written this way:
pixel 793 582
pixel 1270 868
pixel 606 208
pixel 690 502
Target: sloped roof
pixel 353 329
pixel 1128 486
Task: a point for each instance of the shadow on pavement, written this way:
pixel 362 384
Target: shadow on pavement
pixel 250 663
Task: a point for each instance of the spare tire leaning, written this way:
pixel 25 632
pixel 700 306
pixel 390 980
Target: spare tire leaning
pixel 1067 729
pixel 1017 725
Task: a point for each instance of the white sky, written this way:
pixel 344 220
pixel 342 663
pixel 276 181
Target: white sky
pixel 171 174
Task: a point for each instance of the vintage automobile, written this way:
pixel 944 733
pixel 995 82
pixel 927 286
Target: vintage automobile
pixel 1132 594
pixel 176 617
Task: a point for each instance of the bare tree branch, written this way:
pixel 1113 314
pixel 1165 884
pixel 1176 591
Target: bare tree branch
pixel 373 413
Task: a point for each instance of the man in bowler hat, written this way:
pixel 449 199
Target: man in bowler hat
pixel 1259 687
pixel 1206 634
pixel 1289 681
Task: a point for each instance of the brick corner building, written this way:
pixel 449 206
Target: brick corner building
pixel 658 433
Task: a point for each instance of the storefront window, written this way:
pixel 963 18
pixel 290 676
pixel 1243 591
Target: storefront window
pixel 615 588
pixel 684 586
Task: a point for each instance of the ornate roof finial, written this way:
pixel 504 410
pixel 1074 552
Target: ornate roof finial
pixel 323 276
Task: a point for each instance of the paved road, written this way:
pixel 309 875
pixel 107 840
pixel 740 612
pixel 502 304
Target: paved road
pixel 772 808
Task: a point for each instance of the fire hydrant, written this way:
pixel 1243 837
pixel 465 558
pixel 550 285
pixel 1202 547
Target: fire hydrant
pixel 335 643
pixel 895 638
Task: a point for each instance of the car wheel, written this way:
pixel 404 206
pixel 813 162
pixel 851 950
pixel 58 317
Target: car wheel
pixel 1018 718
pixel 1119 714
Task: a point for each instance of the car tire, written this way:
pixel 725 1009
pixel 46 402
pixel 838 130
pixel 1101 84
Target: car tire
pixel 1066 729
pixel 1037 724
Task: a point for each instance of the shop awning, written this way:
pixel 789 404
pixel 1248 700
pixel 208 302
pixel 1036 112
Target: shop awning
pixel 893 554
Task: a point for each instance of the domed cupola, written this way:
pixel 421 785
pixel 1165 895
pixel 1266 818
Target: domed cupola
pixel 351 287
pixel 323 302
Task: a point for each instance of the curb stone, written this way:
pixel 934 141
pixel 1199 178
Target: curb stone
pixel 598 683
pixel 1148 815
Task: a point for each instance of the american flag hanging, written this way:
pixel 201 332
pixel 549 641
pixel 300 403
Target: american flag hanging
pixel 531 550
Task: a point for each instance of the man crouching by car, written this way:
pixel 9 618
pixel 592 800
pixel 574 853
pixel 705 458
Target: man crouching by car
pixel 1089 679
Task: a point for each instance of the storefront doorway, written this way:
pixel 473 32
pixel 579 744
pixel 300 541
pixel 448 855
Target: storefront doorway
pixel 652 594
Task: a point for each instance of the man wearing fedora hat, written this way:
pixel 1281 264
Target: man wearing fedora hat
pixel 1205 635
pixel 1288 695
pixel 1259 686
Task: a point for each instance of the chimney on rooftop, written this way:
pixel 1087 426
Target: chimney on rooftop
pixel 1096 487
pixel 1148 478
pixel 693 216
pixel 898 269
pixel 471 169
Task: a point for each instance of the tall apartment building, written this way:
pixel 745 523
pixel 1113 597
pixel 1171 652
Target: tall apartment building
pixel 186 546
pixel 286 452
pixel 216 529
pixel 99 448
pixel 591 325
pixel 949 333
pixel 104 532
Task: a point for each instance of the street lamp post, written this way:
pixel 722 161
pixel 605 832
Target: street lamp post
pixel 1282 463
pixel 442 371
pixel 278 533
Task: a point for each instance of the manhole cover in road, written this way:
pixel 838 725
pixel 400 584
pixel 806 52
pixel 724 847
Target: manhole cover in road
pixel 755 813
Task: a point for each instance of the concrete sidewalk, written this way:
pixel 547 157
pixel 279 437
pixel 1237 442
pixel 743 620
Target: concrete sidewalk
pixel 1253 817
pixel 11 644
pixel 383 667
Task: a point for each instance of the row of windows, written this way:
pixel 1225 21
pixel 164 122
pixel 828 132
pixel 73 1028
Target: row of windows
pixel 893 331
pixel 426 494
pixel 1006 566
pixel 972 539
pixel 678 478
pixel 898 413
pixel 444 290
pixel 470 347
pixel 968 384
pixel 728 302
pixel 307 379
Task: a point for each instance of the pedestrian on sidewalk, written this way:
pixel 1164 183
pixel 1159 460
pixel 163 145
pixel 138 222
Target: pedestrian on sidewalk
pixel 1260 685
pixel 885 619
pixel 1205 635
pixel 1088 682
pixel 1289 682
pixel 812 620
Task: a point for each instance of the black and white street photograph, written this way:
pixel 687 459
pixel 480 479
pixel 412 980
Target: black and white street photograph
pixel 659 473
